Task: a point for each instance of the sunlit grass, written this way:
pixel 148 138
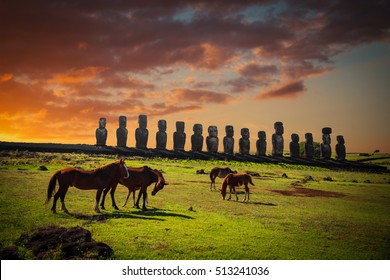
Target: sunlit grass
pixel 188 221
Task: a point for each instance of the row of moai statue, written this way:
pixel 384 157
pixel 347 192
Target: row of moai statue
pixel 212 141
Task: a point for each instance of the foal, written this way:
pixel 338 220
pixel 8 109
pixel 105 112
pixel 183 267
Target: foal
pixel 236 180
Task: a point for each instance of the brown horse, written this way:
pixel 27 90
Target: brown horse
pixel 104 177
pixel 219 172
pixel 139 178
pixel 236 180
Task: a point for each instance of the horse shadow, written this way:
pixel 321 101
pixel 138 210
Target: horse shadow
pixel 256 203
pixel 154 214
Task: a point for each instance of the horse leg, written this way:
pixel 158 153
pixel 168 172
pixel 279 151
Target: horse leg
pixel 62 197
pixel 112 192
pixel 98 195
pixel 235 192
pixel 138 199
pixel 211 184
pixel 145 195
pixel 56 196
pixel 104 198
pixel 230 193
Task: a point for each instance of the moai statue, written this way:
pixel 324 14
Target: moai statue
pixel 228 140
pixel 309 147
pixel 277 140
pixel 141 133
pixel 244 142
pixel 101 133
pixel 197 138
pixel 326 149
pixel 179 137
pixel 121 132
pixel 261 143
pixel 294 146
pixel 340 148
pixel 212 139
pixel 161 135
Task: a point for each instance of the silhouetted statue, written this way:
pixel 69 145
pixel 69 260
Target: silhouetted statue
pixel 277 140
pixel 101 133
pixel 294 146
pixel 121 132
pixel 309 147
pixel 179 137
pixel 197 138
pixel 340 148
pixel 228 140
pixel 161 135
pixel 326 149
pixel 212 139
pixel 142 133
pixel 244 142
pixel 261 143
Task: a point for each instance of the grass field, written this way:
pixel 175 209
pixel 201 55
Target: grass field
pixel 308 213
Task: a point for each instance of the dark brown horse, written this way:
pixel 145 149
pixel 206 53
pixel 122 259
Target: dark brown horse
pixel 139 179
pixel 104 177
pixel 219 172
pixel 236 180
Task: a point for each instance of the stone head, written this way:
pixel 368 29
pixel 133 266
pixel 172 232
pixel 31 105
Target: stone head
pixel 295 137
pixel 213 131
pixel 142 121
pixel 162 125
pixel 229 130
pixel 340 139
pixel 261 135
pixel 245 133
pixel 198 128
pixel 122 121
pixel 180 126
pixel 102 122
pixel 309 137
pixel 279 129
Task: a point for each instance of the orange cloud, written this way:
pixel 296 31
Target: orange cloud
pixel 287 90
pixel 77 76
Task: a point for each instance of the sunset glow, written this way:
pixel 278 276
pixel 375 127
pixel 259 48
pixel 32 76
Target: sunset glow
pixel 65 64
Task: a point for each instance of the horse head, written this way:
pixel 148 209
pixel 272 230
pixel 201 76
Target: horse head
pixel 160 182
pixel 124 172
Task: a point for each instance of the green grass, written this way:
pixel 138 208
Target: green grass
pixel 188 221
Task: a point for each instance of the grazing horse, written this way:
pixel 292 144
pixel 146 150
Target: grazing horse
pixel 104 177
pixel 219 172
pixel 139 178
pixel 236 180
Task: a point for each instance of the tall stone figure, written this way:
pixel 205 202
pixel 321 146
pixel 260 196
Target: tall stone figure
pixel 197 138
pixel 142 133
pixel 101 133
pixel 277 140
pixel 326 149
pixel 340 148
pixel 121 132
pixel 309 146
pixel 179 137
pixel 294 146
pixel 228 140
pixel 212 139
pixel 161 135
pixel 244 142
pixel 261 143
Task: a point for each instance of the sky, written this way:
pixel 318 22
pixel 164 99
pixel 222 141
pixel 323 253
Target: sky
pixel 309 64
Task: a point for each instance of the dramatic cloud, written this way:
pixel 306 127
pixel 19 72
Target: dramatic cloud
pixel 84 59
pixel 288 90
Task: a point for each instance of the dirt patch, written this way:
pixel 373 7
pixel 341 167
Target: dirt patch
pixel 304 192
pixel 58 242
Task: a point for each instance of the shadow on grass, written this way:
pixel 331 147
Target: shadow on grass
pixel 255 203
pixel 151 214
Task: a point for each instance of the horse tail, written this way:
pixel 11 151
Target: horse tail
pixel 52 185
pixel 250 180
